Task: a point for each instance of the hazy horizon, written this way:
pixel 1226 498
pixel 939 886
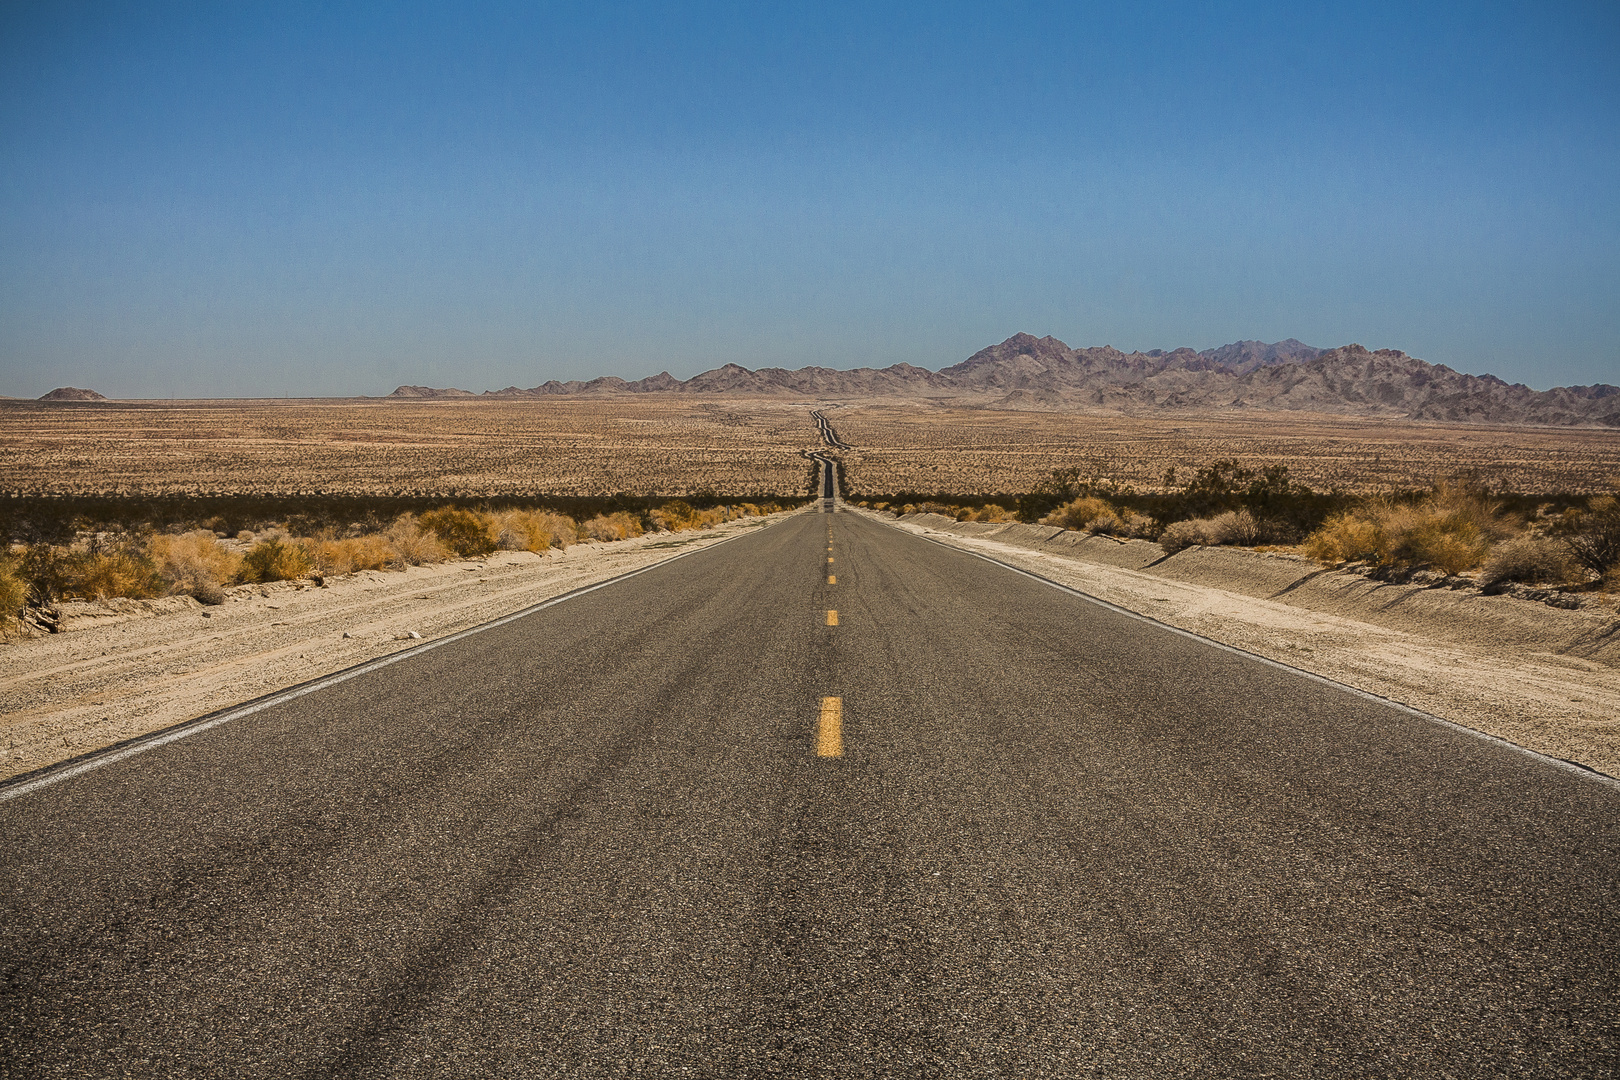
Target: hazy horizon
pixel 264 202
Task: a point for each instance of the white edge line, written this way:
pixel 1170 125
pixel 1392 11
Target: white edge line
pixel 1568 766
pixel 142 743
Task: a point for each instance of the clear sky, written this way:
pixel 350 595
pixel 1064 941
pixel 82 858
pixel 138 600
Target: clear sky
pixel 235 199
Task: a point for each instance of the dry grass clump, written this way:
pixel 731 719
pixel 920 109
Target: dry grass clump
pixel 1233 527
pixel 534 530
pixel 1098 515
pixel 1452 530
pixel 118 572
pixel 276 560
pixel 1353 536
pixel 621 525
pixel 1531 560
pixel 677 515
pixel 195 563
pixel 1080 513
pixel 346 556
pixel 465 532
pixel 991 513
pixel 415 545
pixel 13 591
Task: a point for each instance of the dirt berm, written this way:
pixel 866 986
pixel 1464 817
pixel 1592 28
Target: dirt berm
pixel 1544 678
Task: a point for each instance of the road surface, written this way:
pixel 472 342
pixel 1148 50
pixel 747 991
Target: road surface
pixel 827 800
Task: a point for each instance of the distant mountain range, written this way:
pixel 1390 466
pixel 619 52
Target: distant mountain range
pixel 1026 372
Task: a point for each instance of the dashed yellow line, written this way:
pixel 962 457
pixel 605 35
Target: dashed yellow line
pixel 831 580
pixel 832 617
pixel 830 731
pixel 829 558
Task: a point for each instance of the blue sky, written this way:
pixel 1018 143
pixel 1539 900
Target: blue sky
pixel 265 199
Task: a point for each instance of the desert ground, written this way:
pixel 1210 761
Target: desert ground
pixel 672 445
pixel 904 447
pixel 580 447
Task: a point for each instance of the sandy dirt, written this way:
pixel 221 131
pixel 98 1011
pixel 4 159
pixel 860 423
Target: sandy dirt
pixel 679 444
pixel 126 668
pixel 1544 678
pixel 922 449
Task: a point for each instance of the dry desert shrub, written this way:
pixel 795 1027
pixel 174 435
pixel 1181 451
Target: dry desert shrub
pixel 1181 535
pixel 194 563
pixel 991 513
pixel 564 529
pixel 1139 525
pixel 47 570
pixel 1080 513
pixel 1098 515
pixel 535 530
pixel 618 526
pixel 276 560
pixel 415 545
pixel 677 515
pixel 518 530
pixel 101 574
pixel 345 556
pixel 465 532
pixel 1447 542
pixel 1233 527
pixel 1352 536
pixel 1592 536
pixel 1451 530
pixel 13 591
pixel 1531 560
pixel 1237 527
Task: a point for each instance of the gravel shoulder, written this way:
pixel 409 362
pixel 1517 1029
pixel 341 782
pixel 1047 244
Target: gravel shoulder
pixel 1543 678
pixel 122 669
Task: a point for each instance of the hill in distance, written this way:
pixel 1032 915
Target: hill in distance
pixel 71 393
pixel 1026 372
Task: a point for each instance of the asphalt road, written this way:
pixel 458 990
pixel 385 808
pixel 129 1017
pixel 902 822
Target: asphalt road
pixel 604 840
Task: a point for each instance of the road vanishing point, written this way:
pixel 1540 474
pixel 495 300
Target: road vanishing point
pixel 756 812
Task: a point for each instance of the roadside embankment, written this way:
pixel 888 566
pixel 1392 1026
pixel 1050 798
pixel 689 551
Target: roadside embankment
pixel 1545 678
pixel 124 668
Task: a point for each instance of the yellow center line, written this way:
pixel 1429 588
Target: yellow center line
pixel 829 558
pixel 831 580
pixel 830 731
pixel 832 617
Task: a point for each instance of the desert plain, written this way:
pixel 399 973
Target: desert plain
pixel 674 445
